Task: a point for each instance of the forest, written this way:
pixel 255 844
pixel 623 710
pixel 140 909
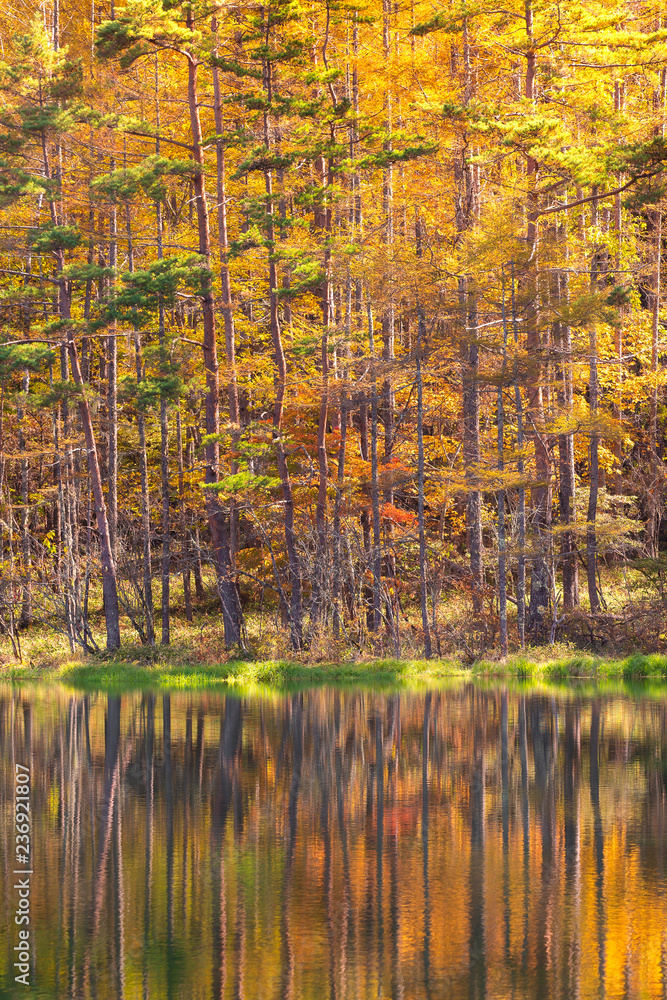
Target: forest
pixel 342 315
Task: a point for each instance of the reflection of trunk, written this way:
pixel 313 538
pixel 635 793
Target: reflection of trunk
pixel 148 850
pixel 425 818
pixel 379 841
pixel 287 958
pixel 327 880
pixel 544 727
pixel 477 944
pixel 171 970
pixel 598 839
pixel 525 825
pixel 119 903
pixel 347 888
pixel 110 791
pixel 505 777
pixel 571 839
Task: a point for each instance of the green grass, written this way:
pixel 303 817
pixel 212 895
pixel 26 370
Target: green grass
pixel 120 674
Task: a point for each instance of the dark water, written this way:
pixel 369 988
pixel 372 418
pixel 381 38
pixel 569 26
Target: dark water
pixel 464 843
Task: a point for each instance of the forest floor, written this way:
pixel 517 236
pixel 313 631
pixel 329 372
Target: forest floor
pixel 196 656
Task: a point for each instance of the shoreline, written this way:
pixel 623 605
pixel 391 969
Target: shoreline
pixel 127 674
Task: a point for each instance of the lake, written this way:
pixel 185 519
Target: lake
pixel 471 841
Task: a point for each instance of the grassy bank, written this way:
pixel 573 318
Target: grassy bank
pixel 114 674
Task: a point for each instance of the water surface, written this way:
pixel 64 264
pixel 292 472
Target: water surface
pixel 336 844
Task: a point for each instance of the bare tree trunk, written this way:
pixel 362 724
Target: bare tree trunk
pixel 470 380
pixel 226 303
pixel 466 200
pixel 164 410
pixel 541 492
pixel 229 597
pixel 502 540
pixel 26 601
pixel 164 471
pixel 617 405
pixel 566 477
pixel 112 392
pixel 375 486
pixel 337 539
pixel 654 513
pixel 521 506
pixel 317 604
pixel 185 548
pixel 594 465
pixel 423 585
pixel 143 469
pixel 296 612
pixel 340 474
pixel 109 588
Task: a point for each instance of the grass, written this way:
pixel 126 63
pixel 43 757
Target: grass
pixel 196 659
pixel 120 673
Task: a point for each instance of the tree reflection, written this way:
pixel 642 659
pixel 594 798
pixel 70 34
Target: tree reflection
pixel 472 843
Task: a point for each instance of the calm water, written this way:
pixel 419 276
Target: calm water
pixel 464 843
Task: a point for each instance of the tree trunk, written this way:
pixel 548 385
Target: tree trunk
pixel 318 601
pixel 109 589
pixel 296 612
pixel 375 486
pixel 185 550
pixel 470 384
pixel 566 476
pixel 229 597
pixel 112 396
pixel 521 504
pixel 26 600
pixel 654 514
pixel 466 199
pixel 423 584
pixel 502 540
pixel 594 465
pixel 164 410
pixel 226 299
pixel 540 493
pixel 143 470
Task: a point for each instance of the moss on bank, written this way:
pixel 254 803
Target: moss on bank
pixel 143 672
